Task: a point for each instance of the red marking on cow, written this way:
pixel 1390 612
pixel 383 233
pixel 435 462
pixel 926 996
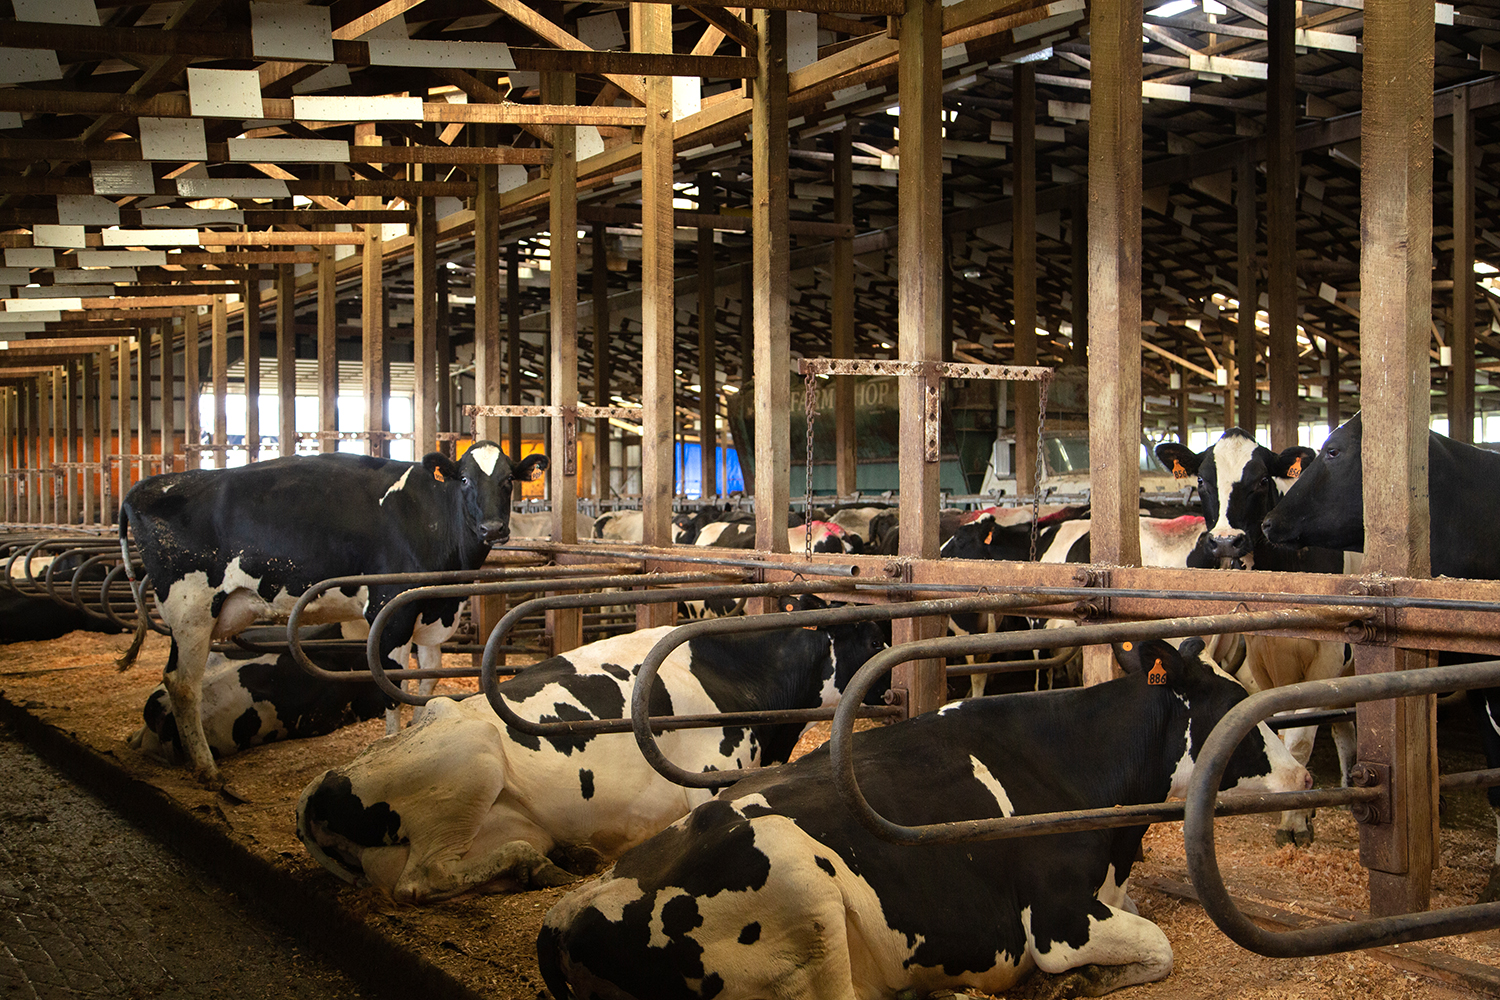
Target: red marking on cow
pixel 1182 525
pixel 977 515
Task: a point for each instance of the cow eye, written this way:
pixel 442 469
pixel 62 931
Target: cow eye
pixel 1331 452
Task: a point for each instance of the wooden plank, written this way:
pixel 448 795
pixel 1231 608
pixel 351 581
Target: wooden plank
pixel 7 461
pixel 1281 221
pixel 708 344
pixel 548 31
pixel 444 350
pixel 192 421
pixel 220 370
pixel 771 282
pixel 168 449
pixel 512 343
pixel 919 319
pixel 880 7
pixel 49 431
pixel 1461 339
pixel 1395 316
pixel 652 25
pixel 328 365
pixel 372 321
pixel 122 414
pixel 1115 285
pixel 31 150
pixel 842 308
pixel 1024 273
pixel 1078 210
pixel 250 317
pixel 1246 233
pixel 89 443
pixel 425 268
pixel 286 358
pixel 600 280
pixel 487 337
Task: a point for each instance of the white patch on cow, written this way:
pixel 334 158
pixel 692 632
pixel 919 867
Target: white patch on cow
pixel 1068 533
pixel 992 785
pixel 1231 455
pixel 1113 892
pixel 167 488
pixel 952 706
pixel 1167 542
pixel 38 568
pixel 397 485
pixel 485 456
pixel 1132 949
pixel 710 533
pixel 658 938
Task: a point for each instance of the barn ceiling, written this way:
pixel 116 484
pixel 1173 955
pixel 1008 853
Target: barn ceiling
pixel 113 138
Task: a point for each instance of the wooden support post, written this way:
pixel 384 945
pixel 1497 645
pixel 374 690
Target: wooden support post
pixel 168 398
pixel 600 279
pixel 373 380
pixel 1335 408
pixel 286 357
pixel 424 326
pixel 106 488
pixel 1281 221
pixel 70 380
pixel 1249 295
pixel 7 461
pixel 846 460
pixel 513 344
pixel 221 378
pixel 1115 281
pixel 652 25
pixel 487 340
pixel 328 351
pixel 1395 326
pixel 1024 272
pixel 143 401
pixel 250 341
pixel 35 436
pixel 89 450
pixel 443 348
pixel 564 626
pixel 122 414
pixel 708 344
pixel 919 321
pixel 1080 248
pixel 1461 339
pixel 771 270
pixel 47 442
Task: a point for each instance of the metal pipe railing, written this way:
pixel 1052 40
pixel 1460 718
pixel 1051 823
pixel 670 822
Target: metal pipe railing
pixel 683 554
pixel 850 705
pixel 1198 828
pixel 842 750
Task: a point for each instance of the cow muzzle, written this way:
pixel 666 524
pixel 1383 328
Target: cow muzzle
pixel 495 532
pixel 1230 546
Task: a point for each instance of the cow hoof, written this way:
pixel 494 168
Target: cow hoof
pixel 1297 838
pixel 234 795
pixel 1492 891
pixel 209 778
pixel 548 876
pixel 580 859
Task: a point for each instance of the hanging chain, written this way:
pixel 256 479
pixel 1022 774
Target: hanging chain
pixel 1041 465
pixel 810 405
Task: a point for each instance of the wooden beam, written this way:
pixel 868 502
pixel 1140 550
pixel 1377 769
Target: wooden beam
pixel 1115 284
pixel 128 151
pixel 250 317
pixel 1246 233
pixel 286 358
pixel 1395 316
pixel 168 383
pixel 191 355
pixel 708 348
pixel 89 447
pixel 548 31
pixel 487 338
pixel 373 379
pixel 1281 222
pixel 562 367
pixel 600 279
pixel 220 378
pixel 424 324
pixel 842 309
pixel 1024 272
pixel 1461 340
pixel 512 341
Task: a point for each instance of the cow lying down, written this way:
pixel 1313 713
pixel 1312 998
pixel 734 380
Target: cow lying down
pixel 461 802
pixel 250 699
pixel 773 889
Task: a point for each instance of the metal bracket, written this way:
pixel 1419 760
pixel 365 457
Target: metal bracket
pixel 570 440
pixel 1379 628
pixel 1368 775
pixel 932 416
pixel 1097 607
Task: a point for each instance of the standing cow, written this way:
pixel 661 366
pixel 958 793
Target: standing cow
pixel 1327 507
pixel 462 802
pixel 228 546
pixel 774 889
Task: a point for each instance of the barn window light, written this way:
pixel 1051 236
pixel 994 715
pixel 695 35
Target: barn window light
pixel 529 373
pixel 971 273
pixel 1214 7
pixel 1173 8
pixel 1221 376
pixel 1482 267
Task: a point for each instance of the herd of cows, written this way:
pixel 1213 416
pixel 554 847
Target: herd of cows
pixel 769 887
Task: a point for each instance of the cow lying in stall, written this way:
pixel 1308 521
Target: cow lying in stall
pixel 226 547
pixel 1326 507
pixel 1239 483
pixel 774 889
pixel 250 699
pixel 460 802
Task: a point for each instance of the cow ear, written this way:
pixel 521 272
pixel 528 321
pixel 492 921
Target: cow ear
pixel 1161 664
pixel 531 468
pixel 441 466
pixel 1191 647
pixel 1290 463
pixel 1178 459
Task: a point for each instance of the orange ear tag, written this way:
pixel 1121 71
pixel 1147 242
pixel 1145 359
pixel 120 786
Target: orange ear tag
pixel 1127 646
pixel 438 475
pixel 1157 674
pixel 1178 471
pixel 1296 469
pixel 990 537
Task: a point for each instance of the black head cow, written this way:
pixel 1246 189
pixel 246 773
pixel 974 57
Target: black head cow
pixel 226 547
pixel 1239 482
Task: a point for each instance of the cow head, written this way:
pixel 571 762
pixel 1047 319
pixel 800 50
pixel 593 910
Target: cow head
pixel 1239 482
pixel 486 475
pixel 852 645
pixel 1205 693
pixel 1326 506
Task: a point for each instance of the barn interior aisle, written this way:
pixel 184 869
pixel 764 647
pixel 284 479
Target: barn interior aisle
pixel 367 346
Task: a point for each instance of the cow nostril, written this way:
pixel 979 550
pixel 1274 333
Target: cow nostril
pixel 1307 779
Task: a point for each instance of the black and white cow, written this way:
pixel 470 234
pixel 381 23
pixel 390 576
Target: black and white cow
pixel 1326 506
pixel 1239 482
pixel 775 890
pixel 461 802
pixel 228 546
pixel 250 699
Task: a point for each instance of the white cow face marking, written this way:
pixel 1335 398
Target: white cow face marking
pixel 1231 455
pixel 485 456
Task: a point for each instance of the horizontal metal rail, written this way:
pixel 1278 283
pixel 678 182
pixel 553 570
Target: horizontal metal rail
pixel 601 548
pixel 562 727
pixel 1198 828
pixel 850 706
pixel 841 744
pixel 382 675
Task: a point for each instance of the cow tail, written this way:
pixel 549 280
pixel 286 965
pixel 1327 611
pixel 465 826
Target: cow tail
pixel 142 621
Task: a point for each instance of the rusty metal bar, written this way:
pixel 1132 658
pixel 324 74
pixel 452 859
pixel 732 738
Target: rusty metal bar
pixel 382 675
pixel 644 553
pixel 842 750
pixel 1198 829
pixel 943 369
pixel 849 706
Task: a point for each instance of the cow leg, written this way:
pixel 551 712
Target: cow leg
pixel 1296 826
pixel 183 678
pixel 428 658
pixel 397 659
pixel 1121 950
pixel 515 860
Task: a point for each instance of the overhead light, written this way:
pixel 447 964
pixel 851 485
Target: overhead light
pixel 1173 8
pixel 1483 267
pixel 529 373
pixel 972 272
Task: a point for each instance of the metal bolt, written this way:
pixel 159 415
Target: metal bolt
pixel 1363 776
pixel 1362 812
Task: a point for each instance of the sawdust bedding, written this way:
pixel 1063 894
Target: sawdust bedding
pixel 488 942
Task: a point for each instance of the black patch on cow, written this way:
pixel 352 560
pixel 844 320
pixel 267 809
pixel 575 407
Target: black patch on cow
pixel 171 659
pixel 824 864
pixel 532 743
pixel 246 728
pixel 615 670
pixel 217 604
pixel 601 696
pixel 714 853
pixel 586 782
pixel 732 737
pixel 563 712
pixel 750 934
pixel 680 915
pixel 334 806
